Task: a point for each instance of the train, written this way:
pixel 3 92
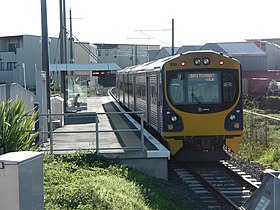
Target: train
pixel 193 101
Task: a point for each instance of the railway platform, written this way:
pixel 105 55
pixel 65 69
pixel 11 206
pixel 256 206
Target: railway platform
pixel 119 137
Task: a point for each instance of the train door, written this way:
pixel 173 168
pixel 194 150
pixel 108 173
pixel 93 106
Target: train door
pixel 126 90
pixel 148 100
pixel 130 92
pixel 158 100
pixel 123 88
pixel 134 93
pixel 118 87
pixel 153 99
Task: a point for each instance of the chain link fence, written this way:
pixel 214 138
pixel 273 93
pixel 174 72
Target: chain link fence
pixel 261 132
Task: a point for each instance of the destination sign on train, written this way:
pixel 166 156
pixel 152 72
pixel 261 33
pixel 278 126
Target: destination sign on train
pixel 207 76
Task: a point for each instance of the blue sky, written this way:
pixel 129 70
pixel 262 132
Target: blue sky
pixel 111 21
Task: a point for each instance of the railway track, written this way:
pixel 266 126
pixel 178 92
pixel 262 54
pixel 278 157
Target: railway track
pixel 219 185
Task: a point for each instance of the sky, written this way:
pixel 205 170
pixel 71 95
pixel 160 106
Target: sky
pixel 148 21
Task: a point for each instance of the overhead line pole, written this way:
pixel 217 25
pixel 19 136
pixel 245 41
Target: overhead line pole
pixel 63 49
pixel 45 49
pixel 172 37
pixel 71 39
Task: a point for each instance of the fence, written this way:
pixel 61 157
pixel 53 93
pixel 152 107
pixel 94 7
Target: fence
pixel 260 128
pixel 94 121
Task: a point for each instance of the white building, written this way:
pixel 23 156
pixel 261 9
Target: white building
pixel 20 55
pixel 125 54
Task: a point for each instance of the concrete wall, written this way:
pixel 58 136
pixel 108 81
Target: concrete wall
pixel 153 166
pixel 82 56
pixel 13 91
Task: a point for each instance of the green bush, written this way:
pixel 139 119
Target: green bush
pixel 271 158
pixel 90 91
pixel 15 124
pixel 85 182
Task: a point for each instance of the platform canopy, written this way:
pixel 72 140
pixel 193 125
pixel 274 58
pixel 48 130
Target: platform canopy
pixel 85 67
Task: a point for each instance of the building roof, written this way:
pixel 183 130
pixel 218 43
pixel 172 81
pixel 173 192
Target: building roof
pixel 169 50
pixel 85 67
pixel 235 48
pixel 186 48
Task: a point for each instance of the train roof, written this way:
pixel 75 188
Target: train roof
pixel 149 66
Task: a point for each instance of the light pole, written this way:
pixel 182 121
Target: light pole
pixel 24 76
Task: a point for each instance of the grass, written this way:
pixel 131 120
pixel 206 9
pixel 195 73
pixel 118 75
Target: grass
pixel 84 182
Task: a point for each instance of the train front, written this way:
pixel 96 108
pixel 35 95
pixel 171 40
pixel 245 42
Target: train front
pixel 202 107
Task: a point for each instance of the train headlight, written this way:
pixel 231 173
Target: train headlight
pixel 206 61
pixel 183 63
pixel 232 117
pixel 197 61
pixel 173 118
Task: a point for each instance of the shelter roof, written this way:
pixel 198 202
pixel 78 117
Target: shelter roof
pixel 85 67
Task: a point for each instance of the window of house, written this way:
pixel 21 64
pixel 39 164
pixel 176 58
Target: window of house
pixel 2 66
pixel 11 66
pixel 106 52
pixel 12 47
pixel 99 52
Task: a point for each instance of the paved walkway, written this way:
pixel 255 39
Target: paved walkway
pixel 82 129
pixel 151 160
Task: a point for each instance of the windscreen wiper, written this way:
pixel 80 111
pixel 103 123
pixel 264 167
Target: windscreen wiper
pixel 196 99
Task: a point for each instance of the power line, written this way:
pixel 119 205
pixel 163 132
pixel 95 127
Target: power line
pixel 142 31
pixel 85 47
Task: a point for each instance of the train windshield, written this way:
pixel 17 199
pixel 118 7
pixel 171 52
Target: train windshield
pixel 202 88
pixel 196 88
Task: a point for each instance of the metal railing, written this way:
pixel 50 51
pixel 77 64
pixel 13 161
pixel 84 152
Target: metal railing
pixel 262 115
pixel 95 129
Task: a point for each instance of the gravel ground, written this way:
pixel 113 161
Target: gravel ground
pixel 252 168
pixel 180 192
pixel 184 195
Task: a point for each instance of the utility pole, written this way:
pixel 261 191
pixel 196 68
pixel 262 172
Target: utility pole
pixel 71 40
pixel 172 37
pixel 45 49
pixel 63 55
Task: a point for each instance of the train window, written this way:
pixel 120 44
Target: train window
pixel 176 89
pixel 153 94
pixel 229 87
pixel 140 91
pixel 121 85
